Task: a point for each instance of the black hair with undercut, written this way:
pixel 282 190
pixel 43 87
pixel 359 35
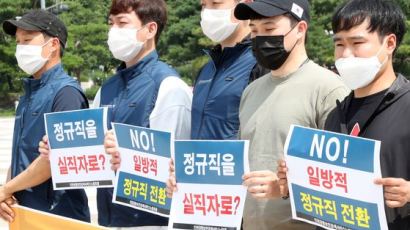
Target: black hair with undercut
pixel 385 17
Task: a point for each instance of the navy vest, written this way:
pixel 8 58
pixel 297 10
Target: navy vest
pixel 218 91
pixel 130 96
pixel 28 131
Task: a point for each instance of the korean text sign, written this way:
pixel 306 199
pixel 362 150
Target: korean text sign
pixel 141 178
pixel 209 178
pixel 76 141
pixel 330 179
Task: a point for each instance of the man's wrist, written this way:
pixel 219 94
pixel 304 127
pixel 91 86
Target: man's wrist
pixel 7 190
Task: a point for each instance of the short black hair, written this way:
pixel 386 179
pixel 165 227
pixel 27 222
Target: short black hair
pixel 47 37
pixel 385 17
pixel 293 20
pixel 146 10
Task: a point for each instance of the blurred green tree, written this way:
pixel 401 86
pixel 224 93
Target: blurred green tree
pixel 181 45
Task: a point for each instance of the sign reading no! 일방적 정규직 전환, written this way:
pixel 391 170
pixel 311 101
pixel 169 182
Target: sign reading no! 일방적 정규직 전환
pixel 141 178
pixel 331 179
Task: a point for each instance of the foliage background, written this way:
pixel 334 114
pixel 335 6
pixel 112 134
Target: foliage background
pixel 87 56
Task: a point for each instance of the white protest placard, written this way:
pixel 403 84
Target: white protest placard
pixel 331 179
pixel 209 178
pixel 141 178
pixel 77 155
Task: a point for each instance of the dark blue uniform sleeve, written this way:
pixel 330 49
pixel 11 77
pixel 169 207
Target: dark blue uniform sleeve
pixel 69 98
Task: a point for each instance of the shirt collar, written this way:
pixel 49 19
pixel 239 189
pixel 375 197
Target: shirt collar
pixel 31 84
pixel 135 70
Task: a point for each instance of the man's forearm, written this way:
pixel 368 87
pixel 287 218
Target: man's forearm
pixel 38 172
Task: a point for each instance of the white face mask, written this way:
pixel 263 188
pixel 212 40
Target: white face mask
pixel 29 57
pixel 123 43
pixel 359 72
pixel 217 24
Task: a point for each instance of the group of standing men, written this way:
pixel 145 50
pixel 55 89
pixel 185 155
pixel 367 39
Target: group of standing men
pixel 259 80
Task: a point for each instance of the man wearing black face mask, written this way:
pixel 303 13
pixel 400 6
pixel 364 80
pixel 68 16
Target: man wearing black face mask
pixel 270 51
pixel 296 91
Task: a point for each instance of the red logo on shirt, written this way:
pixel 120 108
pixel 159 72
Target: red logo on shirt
pixel 356 130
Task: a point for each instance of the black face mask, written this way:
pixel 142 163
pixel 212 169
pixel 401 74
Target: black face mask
pixel 270 51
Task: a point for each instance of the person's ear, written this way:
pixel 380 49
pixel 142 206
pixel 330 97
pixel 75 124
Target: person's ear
pixel 391 43
pixel 55 43
pixel 302 28
pixel 152 29
pixel 54 46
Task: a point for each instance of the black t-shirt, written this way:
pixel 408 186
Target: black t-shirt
pixel 69 98
pixel 360 109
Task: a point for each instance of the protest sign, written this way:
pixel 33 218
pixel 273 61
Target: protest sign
pixel 209 177
pixel 77 155
pixel 145 156
pixel 331 179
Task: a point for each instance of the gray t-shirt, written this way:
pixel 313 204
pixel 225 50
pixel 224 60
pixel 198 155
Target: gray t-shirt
pixel 268 107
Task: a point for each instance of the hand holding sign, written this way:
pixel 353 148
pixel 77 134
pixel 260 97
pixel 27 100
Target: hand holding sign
pixel 283 179
pixel 396 191
pixel 171 182
pixel 262 184
pixel 6 213
pixel 43 147
pixel 110 147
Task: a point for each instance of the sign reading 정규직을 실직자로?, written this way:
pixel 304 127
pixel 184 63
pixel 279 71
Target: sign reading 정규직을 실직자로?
pixel 77 155
pixel 209 178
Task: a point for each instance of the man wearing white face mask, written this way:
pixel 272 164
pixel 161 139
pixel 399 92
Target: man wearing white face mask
pixel 220 83
pixel 144 92
pixel 41 38
pixel 367 34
